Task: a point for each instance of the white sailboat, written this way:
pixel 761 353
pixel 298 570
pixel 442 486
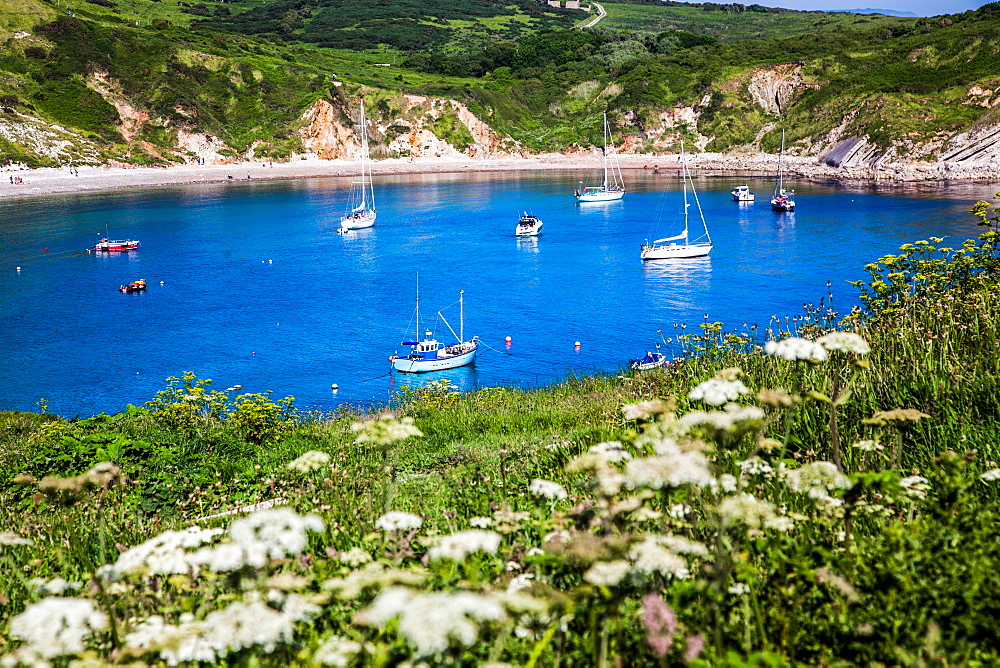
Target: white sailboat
pixel 783 200
pixel 430 354
pixel 363 212
pixel 681 245
pixel 613 186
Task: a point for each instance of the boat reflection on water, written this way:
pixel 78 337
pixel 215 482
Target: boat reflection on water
pixel 527 244
pixel 677 283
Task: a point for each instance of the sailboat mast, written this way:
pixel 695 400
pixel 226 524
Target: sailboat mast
pixel 461 317
pixel 605 151
pixel 417 332
pixel 778 186
pixel 364 154
pixel 684 181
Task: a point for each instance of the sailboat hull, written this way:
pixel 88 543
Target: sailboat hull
pixel 419 364
pixel 358 222
pixel 672 251
pixel 600 196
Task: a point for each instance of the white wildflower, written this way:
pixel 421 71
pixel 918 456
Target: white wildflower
pixel 651 556
pixel 739 589
pixel 672 470
pixel 395 520
pixel 915 486
pixel 480 522
pixel 310 461
pixel 164 554
pixel 431 621
pixel 609 481
pixel 267 534
pixel 643 409
pixel 231 629
pixel 724 420
pixel 991 475
pixel 385 430
pixel 337 651
pixel 845 342
pixel 816 479
pixel 522 581
pixel 54 587
pixel 747 509
pixel 868 446
pixel 372 575
pixel 11 538
pixel 716 392
pixel 727 483
pixel 644 514
pixel 547 489
pixel 459 545
pixel 756 466
pixel 607 573
pixel 682 545
pixel 796 349
pixel 299 608
pixel 533 552
pixel 612 451
pixel 782 523
pixel 355 557
pixel 54 627
pixel 679 511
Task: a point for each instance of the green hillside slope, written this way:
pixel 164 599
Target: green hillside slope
pixel 122 86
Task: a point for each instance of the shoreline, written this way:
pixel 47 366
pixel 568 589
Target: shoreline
pixel 62 180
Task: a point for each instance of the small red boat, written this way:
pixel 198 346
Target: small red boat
pixel 134 286
pixel 114 245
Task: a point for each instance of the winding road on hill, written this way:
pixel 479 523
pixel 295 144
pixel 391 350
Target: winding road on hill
pixel 600 15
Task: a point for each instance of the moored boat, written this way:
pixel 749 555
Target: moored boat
pixel 432 355
pixel 742 194
pixel 363 213
pixel 650 361
pixel 134 286
pixel 681 245
pixel 528 225
pixel 613 186
pixel 783 200
pixel 115 245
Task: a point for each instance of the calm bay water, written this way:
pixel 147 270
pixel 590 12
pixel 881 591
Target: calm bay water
pixel 260 290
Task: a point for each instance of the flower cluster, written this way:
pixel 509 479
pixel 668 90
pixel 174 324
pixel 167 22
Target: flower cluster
pixel 458 546
pixel 716 391
pixel 53 627
pixel 795 349
pixel 310 461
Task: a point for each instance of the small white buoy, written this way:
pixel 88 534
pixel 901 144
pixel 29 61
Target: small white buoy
pixel 270 261
pixel 508 339
pixel 576 344
pixel 161 282
pixel 334 387
pixel 18 270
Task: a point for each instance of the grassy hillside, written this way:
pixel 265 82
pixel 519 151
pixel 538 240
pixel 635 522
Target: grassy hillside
pixel 722 24
pixel 665 517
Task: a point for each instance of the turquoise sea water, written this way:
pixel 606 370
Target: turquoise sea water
pixel 258 288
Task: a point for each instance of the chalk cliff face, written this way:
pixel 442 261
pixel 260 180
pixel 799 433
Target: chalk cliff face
pixel 328 132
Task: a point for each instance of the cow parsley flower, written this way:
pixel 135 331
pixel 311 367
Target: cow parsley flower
pixel 239 626
pixel 480 522
pixel 337 651
pixel 611 451
pixel 727 483
pixel 816 479
pixel 670 470
pixel 716 392
pixel 794 349
pixel 164 554
pixel 459 545
pixel 385 430
pixel 747 509
pixel 432 621
pixel 643 409
pixel 915 486
pixel 991 475
pixel 727 419
pixel 547 489
pixel 756 466
pixel 868 446
pixel 652 556
pixel 845 342
pixel 11 538
pixel 264 535
pixel 54 627
pixel 395 520
pixel 310 461
pixel 607 573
